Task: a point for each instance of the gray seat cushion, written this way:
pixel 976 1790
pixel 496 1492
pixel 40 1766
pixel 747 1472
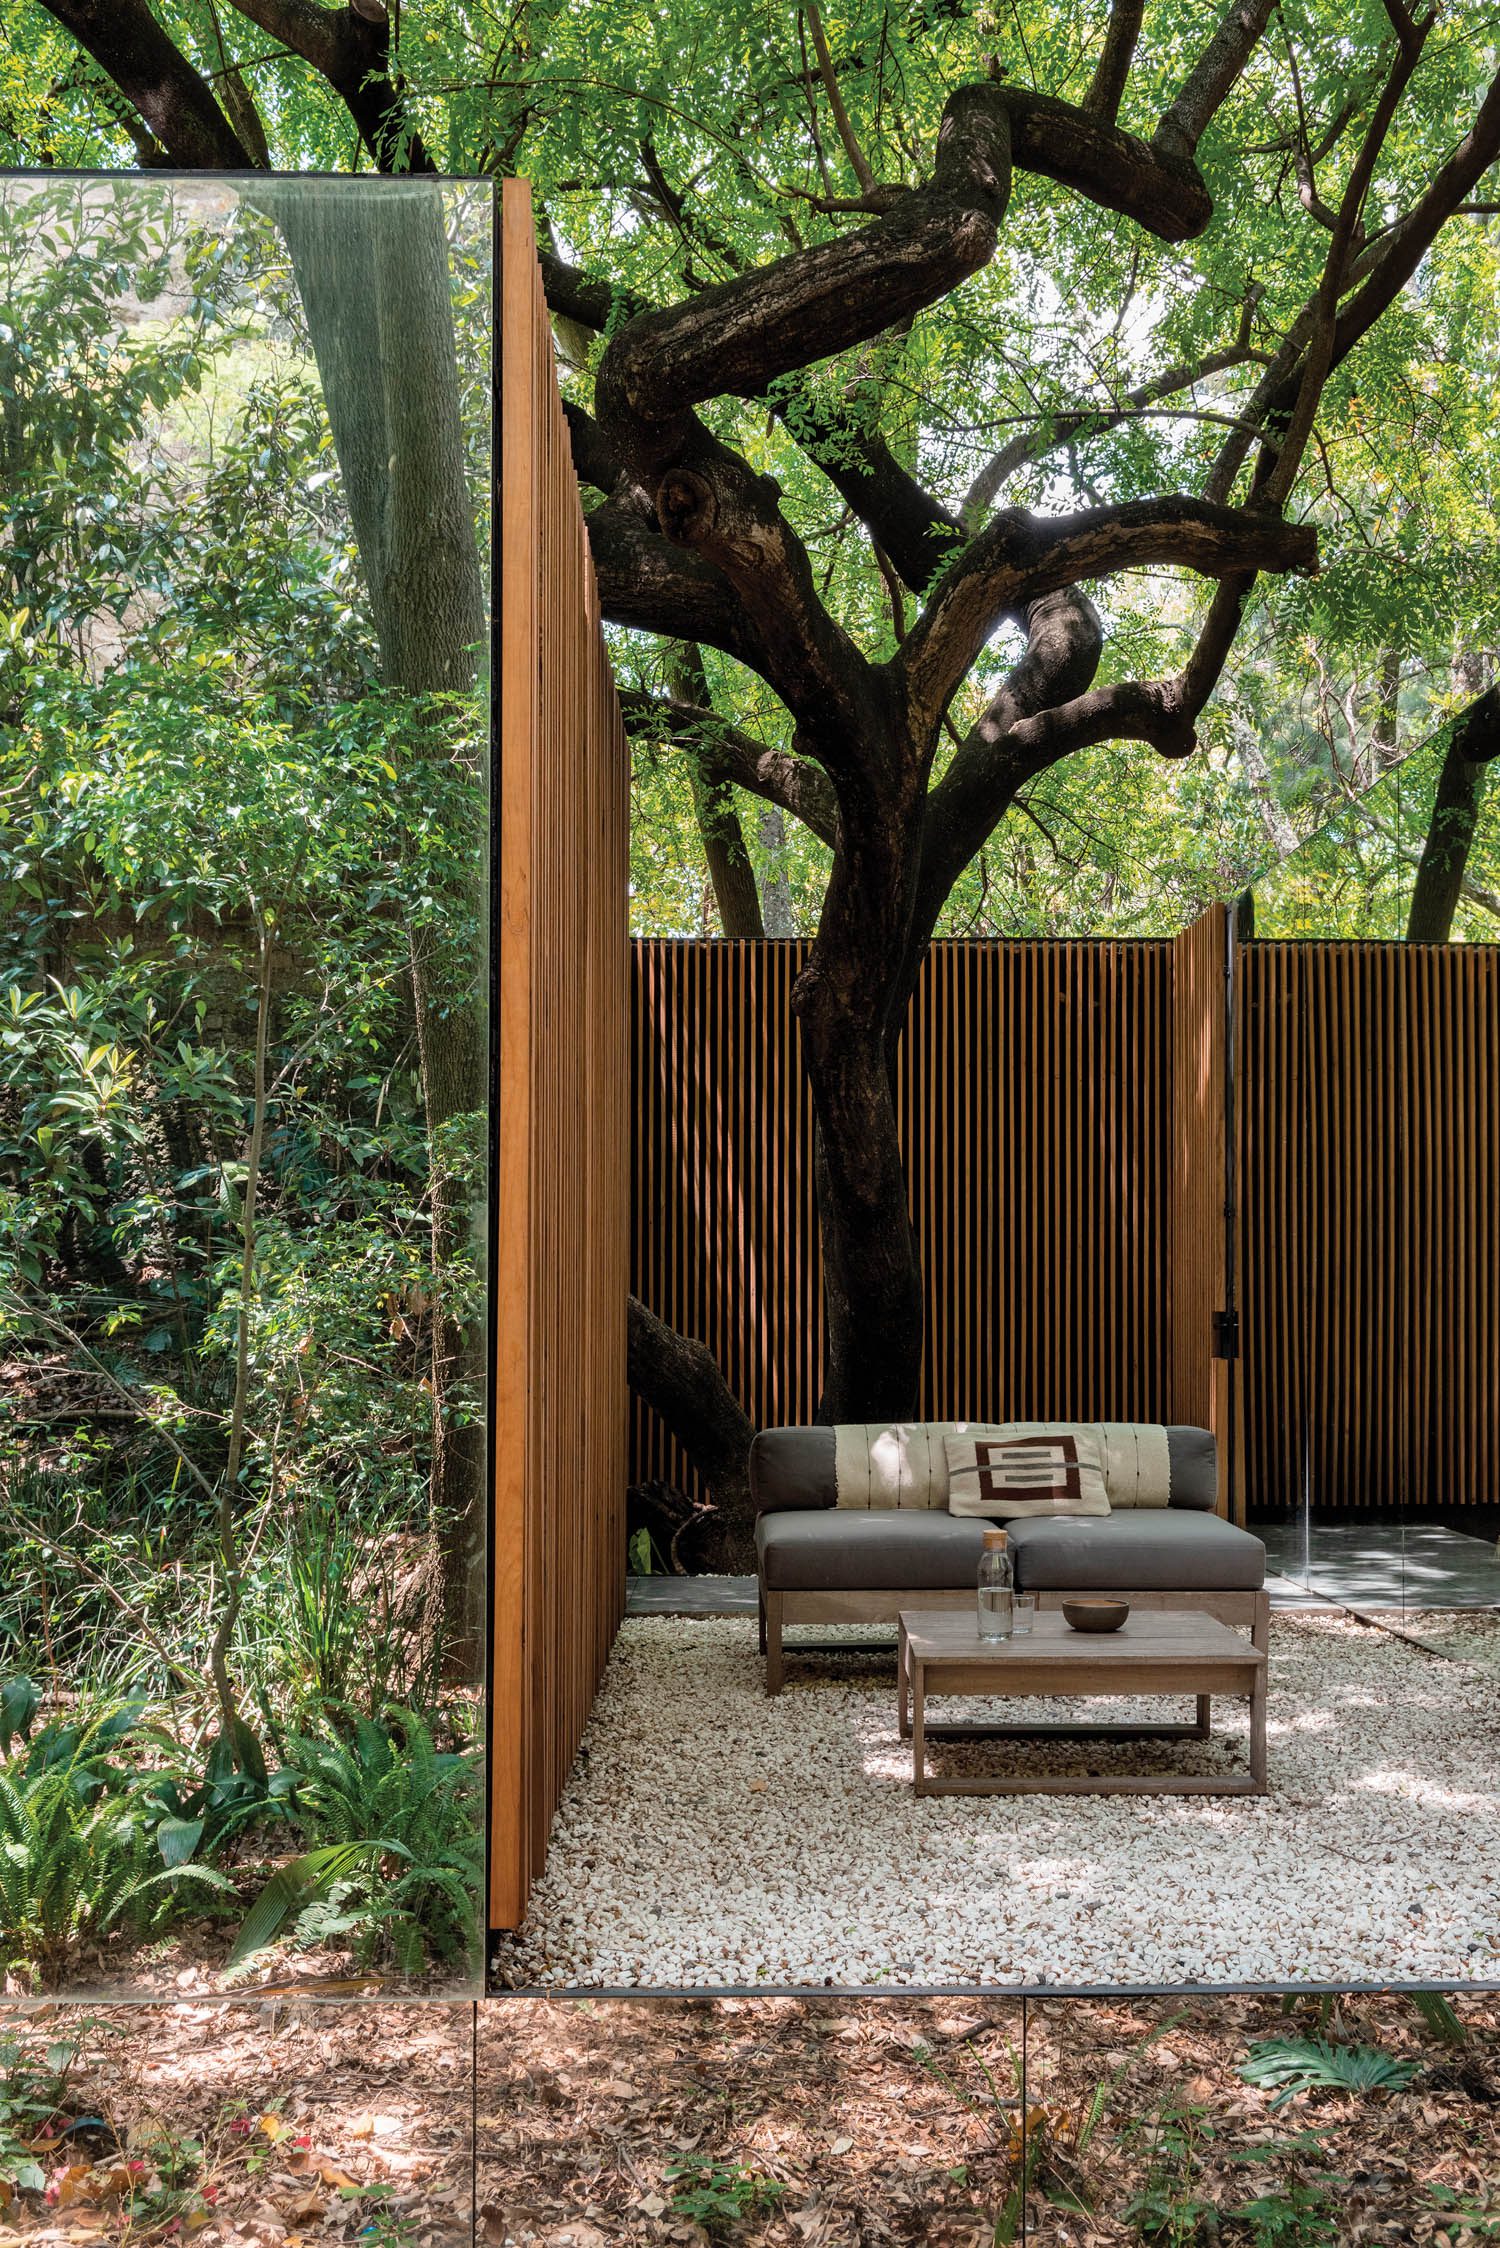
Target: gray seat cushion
pixel 1158 1550
pixel 887 1551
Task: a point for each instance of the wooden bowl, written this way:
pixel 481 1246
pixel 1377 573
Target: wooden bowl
pixel 1095 1615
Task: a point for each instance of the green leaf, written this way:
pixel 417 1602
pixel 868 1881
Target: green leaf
pixel 1310 2064
pixel 20 1699
pixel 294 1886
pixel 1439 2016
pixel 177 1839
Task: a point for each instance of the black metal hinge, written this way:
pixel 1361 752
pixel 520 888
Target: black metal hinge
pixel 1226 1334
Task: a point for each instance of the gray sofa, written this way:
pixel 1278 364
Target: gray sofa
pixel 822 1563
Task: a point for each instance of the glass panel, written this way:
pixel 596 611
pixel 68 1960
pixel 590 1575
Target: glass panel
pixel 243 754
pixel 1395 1126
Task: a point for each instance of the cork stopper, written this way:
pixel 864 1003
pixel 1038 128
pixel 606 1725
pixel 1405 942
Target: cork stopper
pixel 995 1541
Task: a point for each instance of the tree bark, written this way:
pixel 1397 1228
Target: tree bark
pixel 780 918
pixel 176 104
pixel 851 1001
pixel 728 861
pixel 678 1378
pixel 1472 747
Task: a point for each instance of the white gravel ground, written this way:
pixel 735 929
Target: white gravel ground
pixel 711 1837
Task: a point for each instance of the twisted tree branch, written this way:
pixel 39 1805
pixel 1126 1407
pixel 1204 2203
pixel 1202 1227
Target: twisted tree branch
pixel 350 48
pixel 1063 645
pixel 728 753
pixel 1212 79
pixel 651 586
pixel 1022 556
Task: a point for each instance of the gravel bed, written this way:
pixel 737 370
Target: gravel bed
pixel 710 1837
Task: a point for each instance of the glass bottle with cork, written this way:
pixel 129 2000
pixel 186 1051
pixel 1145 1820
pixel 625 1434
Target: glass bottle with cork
pixel 997 1587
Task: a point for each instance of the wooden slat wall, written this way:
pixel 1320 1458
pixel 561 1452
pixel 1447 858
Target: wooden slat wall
pixel 1198 1288
pixel 724 1234
pixel 1063 1111
pixel 1034 1099
pixel 562 1106
pixel 1369 1132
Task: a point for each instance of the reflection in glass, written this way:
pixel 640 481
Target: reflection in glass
pixel 243 529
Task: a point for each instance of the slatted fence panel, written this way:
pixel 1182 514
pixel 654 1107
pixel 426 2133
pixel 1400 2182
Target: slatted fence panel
pixel 562 1106
pixel 1034 1100
pixel 1369 1132
pixel 1062 1109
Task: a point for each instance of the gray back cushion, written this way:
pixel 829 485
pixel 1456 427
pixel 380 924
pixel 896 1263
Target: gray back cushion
pixel 1195 1468
pixel 793 1467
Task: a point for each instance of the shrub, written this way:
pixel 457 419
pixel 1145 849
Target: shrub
pixel 1311 2064
pixel 77 1856
pixel 398 1853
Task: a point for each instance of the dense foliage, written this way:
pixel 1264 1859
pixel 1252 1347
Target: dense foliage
pixel 671 148
pixel 225 836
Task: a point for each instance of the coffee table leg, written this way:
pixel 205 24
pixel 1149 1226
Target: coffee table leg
pixel 918 1729
pixel 1259 1770
pixel 903 1719
pixel 1205 1716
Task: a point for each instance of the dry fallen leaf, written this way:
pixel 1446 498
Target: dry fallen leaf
pixel 306 2209
pixel 72 2186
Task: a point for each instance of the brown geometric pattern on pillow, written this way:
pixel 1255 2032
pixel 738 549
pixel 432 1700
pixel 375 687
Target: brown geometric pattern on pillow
pixel 1028 1467
pixel 1014 1477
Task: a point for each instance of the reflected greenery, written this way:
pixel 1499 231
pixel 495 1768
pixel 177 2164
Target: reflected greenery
pixel 243 525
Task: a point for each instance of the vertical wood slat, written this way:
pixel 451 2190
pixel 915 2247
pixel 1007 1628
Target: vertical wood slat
pixel 562 1116
pixel 1197 1225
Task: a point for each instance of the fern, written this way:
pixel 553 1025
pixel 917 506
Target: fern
pixel 1310 2064
pixel 77 1855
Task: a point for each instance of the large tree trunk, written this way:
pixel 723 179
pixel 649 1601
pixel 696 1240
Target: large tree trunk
pixel 1472 746
pixel 851 1000
pixel 372 271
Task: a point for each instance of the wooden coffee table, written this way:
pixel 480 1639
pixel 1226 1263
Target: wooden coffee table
pixel 1154 1652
